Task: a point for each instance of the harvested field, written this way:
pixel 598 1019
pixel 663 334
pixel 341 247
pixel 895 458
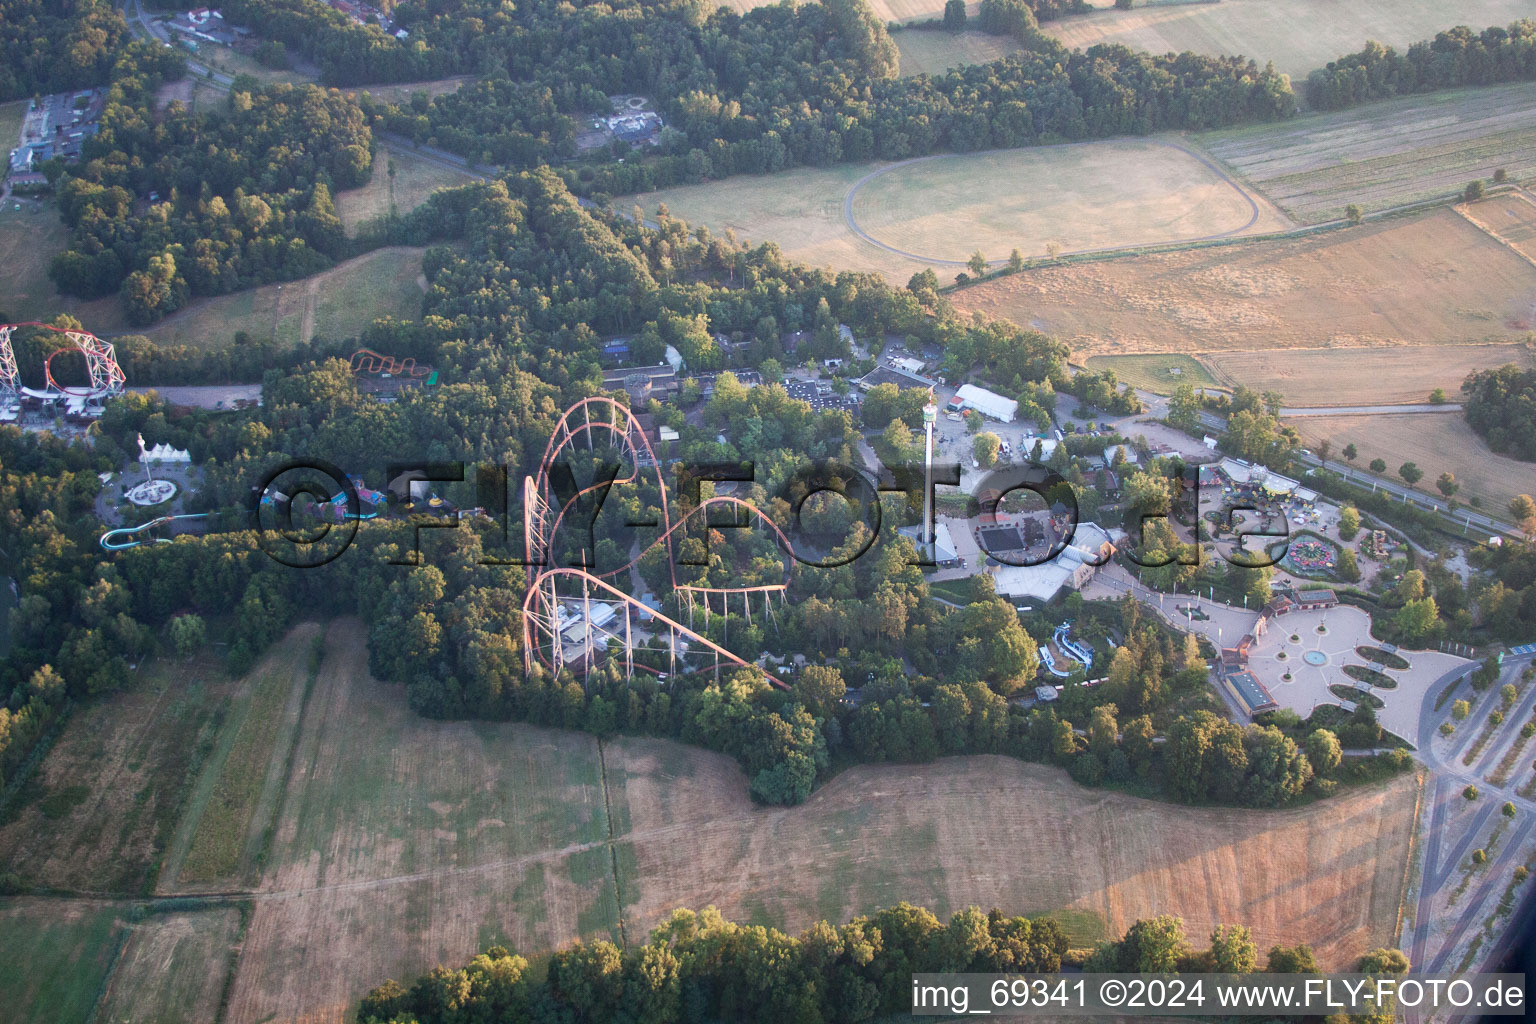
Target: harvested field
pixel 235 799
pixel 941 835
pixel 414 179
pixel 105 801
pixel 57 955
pixel 926 52
pixel 922 213
pixel 1438 444
pixel 1511 218
pixel 1160 374
pixel 1384 154
pixel 1434 279
pixel 1362 376
pixel 337 303
pixel 405 843
pixel 173 968
pixel 1298 35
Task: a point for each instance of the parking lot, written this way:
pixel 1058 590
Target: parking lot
pixel 823 396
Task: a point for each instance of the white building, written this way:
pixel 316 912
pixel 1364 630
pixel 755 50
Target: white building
pixel 1091 547
pixel 1110 452
pixel 988 403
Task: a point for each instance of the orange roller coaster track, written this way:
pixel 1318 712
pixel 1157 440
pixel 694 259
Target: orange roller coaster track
pixel 542 519
pixel 366 360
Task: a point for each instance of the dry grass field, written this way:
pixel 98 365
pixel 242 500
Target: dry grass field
pixel 925 52
pixel 993 831
pixel 172 969
pixel 404 843
pixel 1072 197
pixel 1434 279
pixel 1298 35
pixel 1438 444
pixel 413 181
pixel 105 800
pixel 1361 376
pixel 1511 218
pixel 1384 154
pixel 337 303
pixel 56 958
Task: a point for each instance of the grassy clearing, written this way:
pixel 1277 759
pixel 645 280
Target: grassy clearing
pixel 1438 444
pixel 173 969
pixel 925 52
pixel 1298 35
pixel 31 234
pixel 105 802
pixel 57 958
pixel 1383 154
pixel 413 180
pixel 247 763
pixel 402 92
pixel 338 303
pixel 1429 280
pixel 1160 374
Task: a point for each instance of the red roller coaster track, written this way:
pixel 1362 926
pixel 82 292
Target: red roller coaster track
pixel 106 376
pixel 541 521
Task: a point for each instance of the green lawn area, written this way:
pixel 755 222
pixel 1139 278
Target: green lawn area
pixel 338 303
pixel 1160 374
pixel 57 955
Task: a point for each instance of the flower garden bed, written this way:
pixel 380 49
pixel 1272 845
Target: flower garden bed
pixel 1369 675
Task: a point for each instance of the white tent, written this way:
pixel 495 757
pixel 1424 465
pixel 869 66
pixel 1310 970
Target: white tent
pixel 165 453
pixel 988 403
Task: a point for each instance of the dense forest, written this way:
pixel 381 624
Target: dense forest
pixel 1456 57
pixel 702 967
pixel 1501 406
pixel 56 45
pixel 778 87
pixel 167 207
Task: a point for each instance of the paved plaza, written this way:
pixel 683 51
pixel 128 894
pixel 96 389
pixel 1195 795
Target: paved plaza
pixel 1325 642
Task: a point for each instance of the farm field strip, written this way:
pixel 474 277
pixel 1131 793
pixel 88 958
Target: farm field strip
pixel 1384 154
pixel 245 772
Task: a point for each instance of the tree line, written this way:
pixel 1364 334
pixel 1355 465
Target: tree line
pixel 1456 57
pixel 1500 405
pixel 699 966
